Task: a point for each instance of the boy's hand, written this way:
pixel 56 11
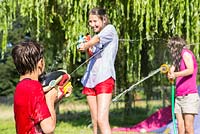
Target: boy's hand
pixel 69 92
pixel 52 96
pixel 64 90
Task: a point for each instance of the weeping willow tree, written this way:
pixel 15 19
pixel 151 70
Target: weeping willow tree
pixel 143 27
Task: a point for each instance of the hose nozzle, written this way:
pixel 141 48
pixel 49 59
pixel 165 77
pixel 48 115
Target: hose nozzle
pixel 164 68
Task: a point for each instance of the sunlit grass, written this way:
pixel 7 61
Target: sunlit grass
pixel 74 117
pixel 6 112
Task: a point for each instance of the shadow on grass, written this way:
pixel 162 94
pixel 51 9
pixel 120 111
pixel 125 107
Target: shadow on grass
pixel 75 118
pixel 117 117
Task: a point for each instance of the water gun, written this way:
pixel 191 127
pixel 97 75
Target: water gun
pixel 57 79
pixel 83 39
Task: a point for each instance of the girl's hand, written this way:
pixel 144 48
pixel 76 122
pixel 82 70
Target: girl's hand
pixel 172 68
pixel 171 74
pixel 82 47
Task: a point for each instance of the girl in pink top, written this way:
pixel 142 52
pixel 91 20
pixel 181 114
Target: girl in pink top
pixel 184 70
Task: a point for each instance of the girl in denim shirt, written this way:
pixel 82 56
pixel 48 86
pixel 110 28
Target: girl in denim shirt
pixel 99 78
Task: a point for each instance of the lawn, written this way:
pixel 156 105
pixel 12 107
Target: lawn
pixel 74 117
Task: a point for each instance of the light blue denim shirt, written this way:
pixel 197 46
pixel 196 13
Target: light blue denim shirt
pixel 101 67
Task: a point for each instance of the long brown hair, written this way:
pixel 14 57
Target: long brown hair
pixel 175 45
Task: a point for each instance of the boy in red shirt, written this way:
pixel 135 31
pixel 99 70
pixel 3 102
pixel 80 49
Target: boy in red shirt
pixel 34 111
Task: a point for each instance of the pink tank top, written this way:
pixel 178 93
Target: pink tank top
pixel 187 84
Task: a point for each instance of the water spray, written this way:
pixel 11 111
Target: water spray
pixel 134 85
pixel 164 68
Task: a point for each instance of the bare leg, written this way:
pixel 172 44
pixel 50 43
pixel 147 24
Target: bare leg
pixel 180 121
pixel 103 103
pixel 189 123
pixel 92 102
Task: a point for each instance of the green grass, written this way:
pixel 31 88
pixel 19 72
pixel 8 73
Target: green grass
pixel 7 127
pixel 74 117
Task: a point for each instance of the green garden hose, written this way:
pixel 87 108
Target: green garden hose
pixel 165 69
pixel 172 101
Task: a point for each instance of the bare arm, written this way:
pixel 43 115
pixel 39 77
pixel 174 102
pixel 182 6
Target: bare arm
pixel 48 125
pixel 187 57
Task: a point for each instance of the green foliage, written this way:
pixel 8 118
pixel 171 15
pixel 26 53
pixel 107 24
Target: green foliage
pixel 150 18
pixel 8 77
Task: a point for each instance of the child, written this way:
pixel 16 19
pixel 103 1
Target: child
pixel 99 79
pixel 33 110
pixel 184 69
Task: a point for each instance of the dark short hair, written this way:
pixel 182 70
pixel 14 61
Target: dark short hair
pixel 26 56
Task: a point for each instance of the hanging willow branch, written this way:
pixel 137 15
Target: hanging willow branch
pixel 177 17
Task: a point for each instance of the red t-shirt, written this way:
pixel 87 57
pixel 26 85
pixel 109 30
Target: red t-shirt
pixel 29 107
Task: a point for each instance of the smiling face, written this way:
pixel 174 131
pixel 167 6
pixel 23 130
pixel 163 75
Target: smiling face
pixel 96 23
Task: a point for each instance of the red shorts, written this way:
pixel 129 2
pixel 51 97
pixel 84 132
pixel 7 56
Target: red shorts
pixel 106 86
